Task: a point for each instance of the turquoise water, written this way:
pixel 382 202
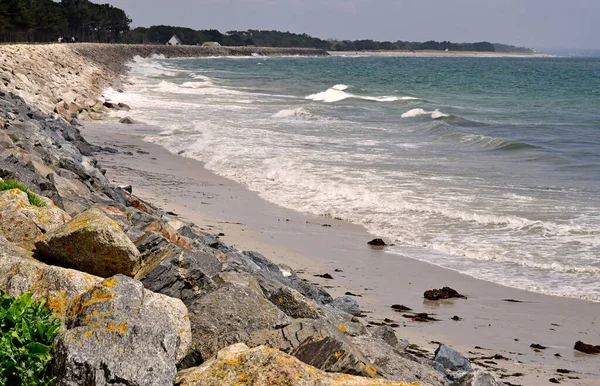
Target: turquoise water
pixel 488 166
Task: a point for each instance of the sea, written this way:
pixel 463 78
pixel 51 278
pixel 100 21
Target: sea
pixel 489 166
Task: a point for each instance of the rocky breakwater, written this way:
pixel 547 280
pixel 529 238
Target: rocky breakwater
pixel 147 299
pixel 67 78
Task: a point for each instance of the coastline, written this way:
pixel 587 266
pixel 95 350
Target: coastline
pixel 218 205
pixel 438 54
pixel 495 326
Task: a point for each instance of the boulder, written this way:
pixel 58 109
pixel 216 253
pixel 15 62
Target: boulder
pixel 22 223
pixel 119 333
pixel 444 293
pixel 174 271
pixel 586 348
pixel 128 121
pixel 293 303
pixel 451 359
pixel 334 355
pixel 20 273
pixel 229 315
pixel 394 364
pixel 92 243
pixel 477 378
pixel 71 194
pixel 347 304
pixel 264 366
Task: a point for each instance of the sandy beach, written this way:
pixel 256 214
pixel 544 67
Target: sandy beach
pixel 313 245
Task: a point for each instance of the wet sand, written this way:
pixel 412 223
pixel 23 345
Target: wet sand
pixel 490 323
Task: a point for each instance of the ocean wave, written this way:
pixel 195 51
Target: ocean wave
pixel 436 114
pixel 300 112
pixel 338 93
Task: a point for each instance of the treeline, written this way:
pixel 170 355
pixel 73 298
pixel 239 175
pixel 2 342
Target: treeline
pixel 162 33
pixel 46 20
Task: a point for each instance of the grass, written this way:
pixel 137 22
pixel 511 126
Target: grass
pixel 27 331
pixel 34 199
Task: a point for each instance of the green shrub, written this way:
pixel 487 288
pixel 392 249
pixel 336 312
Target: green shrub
pixel 27 330
pixel 34 199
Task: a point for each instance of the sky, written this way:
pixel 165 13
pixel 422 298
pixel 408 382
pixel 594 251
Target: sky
pixel 528 23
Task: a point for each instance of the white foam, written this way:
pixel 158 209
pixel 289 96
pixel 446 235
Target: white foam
pixel 300 112
pixel 340 87
pixel 436 114
pixel 338 93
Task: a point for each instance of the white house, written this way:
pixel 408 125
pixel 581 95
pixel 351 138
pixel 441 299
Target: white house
pixel 174 41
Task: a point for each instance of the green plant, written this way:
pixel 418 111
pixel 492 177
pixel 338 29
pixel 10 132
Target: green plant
pixel 27 330
pixel 34 199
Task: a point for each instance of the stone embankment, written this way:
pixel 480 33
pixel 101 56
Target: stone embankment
pixel 147 299
pixel 68 78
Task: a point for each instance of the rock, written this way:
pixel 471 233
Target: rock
pixel 324 276
pixel 71 194
pixel 377 243
pixel 400 308
pixel 586 348
pixel 229 315
pixel 444 293
pixel 92 243
pixel 387 334
pixel 174 271
pixel 537 346
pixel 294 304
pixel 451 359
pixel 127 121
pixel 264 366
pixel 127 188
pixel 347 304
pixel 334 355
pixel 20 273
pixel 118 333
pixel 477 378
pixel 22 223
pixel 396 365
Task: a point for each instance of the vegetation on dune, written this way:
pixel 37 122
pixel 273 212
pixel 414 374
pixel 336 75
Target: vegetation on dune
pixel 27 330
pixel 46 20
pixel 162 33
pixel 34 199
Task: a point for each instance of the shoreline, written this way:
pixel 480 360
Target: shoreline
pixel 219 205
pixel 439 54
pixel 184 186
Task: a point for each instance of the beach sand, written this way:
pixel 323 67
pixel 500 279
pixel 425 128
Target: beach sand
pixel 490 325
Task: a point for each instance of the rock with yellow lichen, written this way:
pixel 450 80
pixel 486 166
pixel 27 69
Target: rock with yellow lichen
pixel 263 366
pixel 293 303
pixel 120 334
pixel 22 223
pixel 92 243
pixel 230 314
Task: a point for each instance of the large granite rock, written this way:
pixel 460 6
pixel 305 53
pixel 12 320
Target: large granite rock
pixel 334 355
pixel 92 243
pixel 120 334
pixel 451 359
pixel 22 223
pixel 347 304
pixel 229 315
pixel 394 364
pixel 477 378
pixel 264 366
pixel 293 303
pixel 174 271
